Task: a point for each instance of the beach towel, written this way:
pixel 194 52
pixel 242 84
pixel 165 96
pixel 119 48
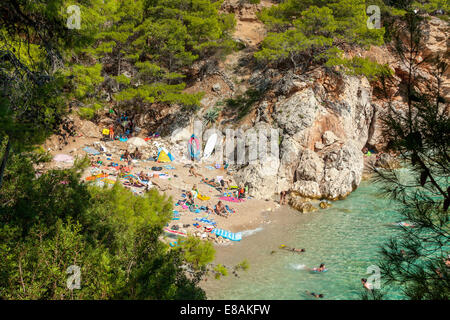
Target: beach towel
pixel 203 197
pixel 210 168
pixel 211 222
pixel 91 150
pixel 227 234
pixel 99 176
pixel 194 147
pixel 231 199
pixel 229 209
pixel 178 233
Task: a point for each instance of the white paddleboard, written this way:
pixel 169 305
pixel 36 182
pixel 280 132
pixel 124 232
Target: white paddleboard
pixel 210 146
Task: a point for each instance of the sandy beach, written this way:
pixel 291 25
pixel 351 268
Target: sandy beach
pixel 248 214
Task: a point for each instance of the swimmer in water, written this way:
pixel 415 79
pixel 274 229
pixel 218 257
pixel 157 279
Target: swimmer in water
pixel 315 295
pixel 298 250
pixel 321 268
pixel 366 284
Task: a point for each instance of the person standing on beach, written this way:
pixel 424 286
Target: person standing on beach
pixel 111 132
pixel 283 195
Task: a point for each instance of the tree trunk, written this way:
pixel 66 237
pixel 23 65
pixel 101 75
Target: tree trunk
pixel 4 160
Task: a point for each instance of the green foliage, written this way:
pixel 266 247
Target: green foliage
pixel 313 36
pixel 361 67
pixel 243 265
pixel 197 252
pixel 87 79
pixel 415 260
pixel 219 271
pixel 159 40
pixel 54 221
pixel 243 103
pixel 211 115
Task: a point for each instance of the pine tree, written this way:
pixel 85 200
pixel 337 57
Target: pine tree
pixel 417 260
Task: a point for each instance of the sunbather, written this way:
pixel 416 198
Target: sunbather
pixel 241 194
pixel 190 197
pixel 127 157
pixel 221 210
pixel 136 154
pixel 225 184
pixel 143 176
pixel 136 183
pixel 194 173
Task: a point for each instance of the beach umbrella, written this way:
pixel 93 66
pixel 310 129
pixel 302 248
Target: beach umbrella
pixel 138 142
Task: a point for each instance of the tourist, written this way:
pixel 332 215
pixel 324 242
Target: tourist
pixel 221 210
pixel 190 197
pixel 321 268
pixel 136 154
pixel 127 157
pixel 241 194
pixel 315 295
pixel 366 284
pixel 283 195
pixel 194 173
pixel 223 183
pixel 143 176
pixel 111 132
pixel 136 183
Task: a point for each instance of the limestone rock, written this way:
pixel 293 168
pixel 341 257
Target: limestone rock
pixel 329 138
pixel 301 204
pixel 216 87
pixel 324 204
pixel 90 130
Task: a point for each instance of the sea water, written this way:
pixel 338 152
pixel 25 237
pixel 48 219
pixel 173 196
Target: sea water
pixel 346 238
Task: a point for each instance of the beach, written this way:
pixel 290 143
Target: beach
pixel 174 182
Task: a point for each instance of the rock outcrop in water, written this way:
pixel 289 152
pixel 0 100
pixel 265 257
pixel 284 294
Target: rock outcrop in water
pixel 324 125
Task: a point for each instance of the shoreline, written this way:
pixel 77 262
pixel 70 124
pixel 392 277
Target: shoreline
pixel 248 215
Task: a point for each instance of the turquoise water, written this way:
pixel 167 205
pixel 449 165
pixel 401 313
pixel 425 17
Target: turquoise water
pixel 346 237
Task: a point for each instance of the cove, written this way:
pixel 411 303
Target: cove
pixel 346 237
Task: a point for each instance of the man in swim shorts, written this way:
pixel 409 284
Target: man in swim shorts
pixel 220 209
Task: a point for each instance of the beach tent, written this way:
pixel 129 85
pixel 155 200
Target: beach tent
pixel 168 153
pixel 163 157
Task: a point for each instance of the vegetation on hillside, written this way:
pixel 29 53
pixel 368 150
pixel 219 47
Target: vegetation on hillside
pixel 417 260
pixel 146 47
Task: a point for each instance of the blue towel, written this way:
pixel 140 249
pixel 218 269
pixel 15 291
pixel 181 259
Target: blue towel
pixel 228 235
pixel 91 150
